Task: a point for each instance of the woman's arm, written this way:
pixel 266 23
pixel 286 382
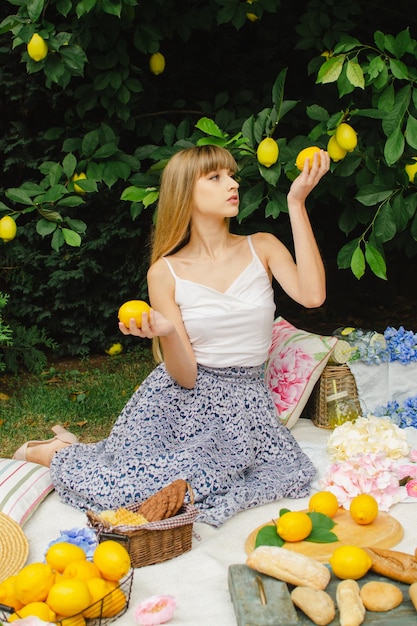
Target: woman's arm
pixel 303 279
pixel 165 322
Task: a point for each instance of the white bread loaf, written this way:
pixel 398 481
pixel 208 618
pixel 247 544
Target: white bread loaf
pixel 349 602
pixel 291 567
pixel 317 604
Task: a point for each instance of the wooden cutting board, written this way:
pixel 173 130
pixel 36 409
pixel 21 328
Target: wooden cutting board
pixel 384 532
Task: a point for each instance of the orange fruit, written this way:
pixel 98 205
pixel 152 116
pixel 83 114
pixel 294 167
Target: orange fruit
pixel 69 597
pixel 267 152
pixel 324 502
pixel 33 582
pixel 59 555
pixel 112 559
pixel 135 309
pixel 303 155
pixel 81 570
pixel 364 509
pixel 294 526
pixel 350 562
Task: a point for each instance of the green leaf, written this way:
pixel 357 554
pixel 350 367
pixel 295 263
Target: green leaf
pixel 278 90
pixel 375 261
pixel 394 147
pixel 18 195
pixel 384 225
pixel 68 164
pixel 322 535
pixel 71 237
pixel 34 9
pixel 354 74
pixel 45 227
pixel 57 240
pixel 398 69
pixel 357 264
pixel 209 127
pixel 371 195
pixel 268 536
pixel 331 69
pixel 134 194
pixel 411 131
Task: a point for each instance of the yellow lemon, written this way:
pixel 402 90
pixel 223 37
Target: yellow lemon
pixel 251 16
pixel 267 152
pixel 98 588
pixel 69 597
pixel 33 582
pixel 75 620
pixel 364 509
pixel 112 559
pixel 37 48
pixel 77 188
pixel 307 153
pixel 135 309
pixel 115 349
pixel 346 137
pixel 114 603
pixel 8 593
pixel 350 562
pixel 81 570
pixel 38 609
pixel 324 502
pixel 8 228
pixel 294 526
pixel 336 153
pixel 59 555
pixel 157 63
pixel 410 168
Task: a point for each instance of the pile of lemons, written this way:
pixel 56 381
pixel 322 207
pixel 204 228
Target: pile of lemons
pixel 68 588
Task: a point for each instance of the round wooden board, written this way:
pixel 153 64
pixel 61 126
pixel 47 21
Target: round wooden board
pixel 384 532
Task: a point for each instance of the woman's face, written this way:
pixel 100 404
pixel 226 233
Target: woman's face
pixel 216 194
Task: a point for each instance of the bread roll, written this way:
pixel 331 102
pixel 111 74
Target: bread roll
pixel 349 602
pixel 291 567
pixel 381 596
pixel 413 594
pixel 315 603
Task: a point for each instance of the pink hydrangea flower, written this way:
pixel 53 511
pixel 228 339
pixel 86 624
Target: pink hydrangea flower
pixel 411 487
pixel 407 470
pixel 155 610
pixel 288 375
pixel 413 456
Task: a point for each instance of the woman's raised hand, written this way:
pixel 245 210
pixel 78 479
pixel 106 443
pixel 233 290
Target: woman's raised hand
pixel 309 177
pixel 154 325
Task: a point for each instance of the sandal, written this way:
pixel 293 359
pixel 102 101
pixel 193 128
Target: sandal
pixel 60 433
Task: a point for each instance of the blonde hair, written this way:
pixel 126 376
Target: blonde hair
pixel 173 218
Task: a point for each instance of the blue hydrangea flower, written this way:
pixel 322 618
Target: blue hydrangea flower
pixel 85 538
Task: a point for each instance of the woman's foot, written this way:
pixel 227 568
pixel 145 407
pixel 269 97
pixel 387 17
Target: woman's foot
pixel 42 451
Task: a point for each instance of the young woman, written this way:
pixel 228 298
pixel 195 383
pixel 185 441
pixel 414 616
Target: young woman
pixel 204 414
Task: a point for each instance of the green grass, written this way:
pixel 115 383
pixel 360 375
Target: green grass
pixel 85 396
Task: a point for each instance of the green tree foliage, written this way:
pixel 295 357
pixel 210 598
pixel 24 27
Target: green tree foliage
pixel 93 107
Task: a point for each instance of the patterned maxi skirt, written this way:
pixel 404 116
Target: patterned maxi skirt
pixel 222 437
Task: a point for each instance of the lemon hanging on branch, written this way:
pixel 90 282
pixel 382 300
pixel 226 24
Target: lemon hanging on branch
pixel 346 137
pixel 336 153
pixel 157 63
pixel 37 48
pixel 411 170
pixel 8 228
pixel 77 188
pixel 267 152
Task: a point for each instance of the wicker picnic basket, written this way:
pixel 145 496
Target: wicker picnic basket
pixel 153 542
pixel 333 376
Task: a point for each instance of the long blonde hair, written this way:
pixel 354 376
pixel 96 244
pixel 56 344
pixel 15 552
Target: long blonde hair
pixel 173 218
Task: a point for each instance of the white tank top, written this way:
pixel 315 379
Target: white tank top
pixel 233 328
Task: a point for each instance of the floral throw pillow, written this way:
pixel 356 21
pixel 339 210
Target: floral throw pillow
pixel 295 362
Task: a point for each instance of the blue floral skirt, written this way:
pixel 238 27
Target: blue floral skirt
pixel 222 436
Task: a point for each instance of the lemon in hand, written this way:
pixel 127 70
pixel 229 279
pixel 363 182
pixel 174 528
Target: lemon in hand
pixel 267 152
pixel 324 502
pixel 346 137
pixel 135 309
pixel 364 509
pixel 307 153
pixel 350 562
pixel 294 526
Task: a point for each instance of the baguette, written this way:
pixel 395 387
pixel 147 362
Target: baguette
pixel 315 603
pixel 291 567
pixel 349 602
pixel 393 564
pixel 413 594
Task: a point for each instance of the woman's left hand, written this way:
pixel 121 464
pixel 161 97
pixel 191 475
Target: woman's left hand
pixel 309 177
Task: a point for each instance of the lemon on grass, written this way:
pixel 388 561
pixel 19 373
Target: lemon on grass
pixel 33 582
pixel 411 170
pixel 307 153
pixel 61 554
pixel 69 597
pixel 346 137
pixel 267 152
pixel 112 559
pixel 8 228
pixel 364 509
pixel 324 502
pixel 157 63
pixel 294 526
pixel 135 309
pixel 37 48
pixel 350 562
pixel 336 153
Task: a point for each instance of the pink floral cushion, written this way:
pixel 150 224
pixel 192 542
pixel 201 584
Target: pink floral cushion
pixel 295 362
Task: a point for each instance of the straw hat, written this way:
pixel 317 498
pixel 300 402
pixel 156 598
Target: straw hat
pixel 14 547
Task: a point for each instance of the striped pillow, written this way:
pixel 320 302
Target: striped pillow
pixel 23 486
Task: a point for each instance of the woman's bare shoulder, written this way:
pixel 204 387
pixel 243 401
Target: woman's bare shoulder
pixel 159 271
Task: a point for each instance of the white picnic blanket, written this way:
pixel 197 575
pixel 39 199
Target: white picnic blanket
pixel 198 578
